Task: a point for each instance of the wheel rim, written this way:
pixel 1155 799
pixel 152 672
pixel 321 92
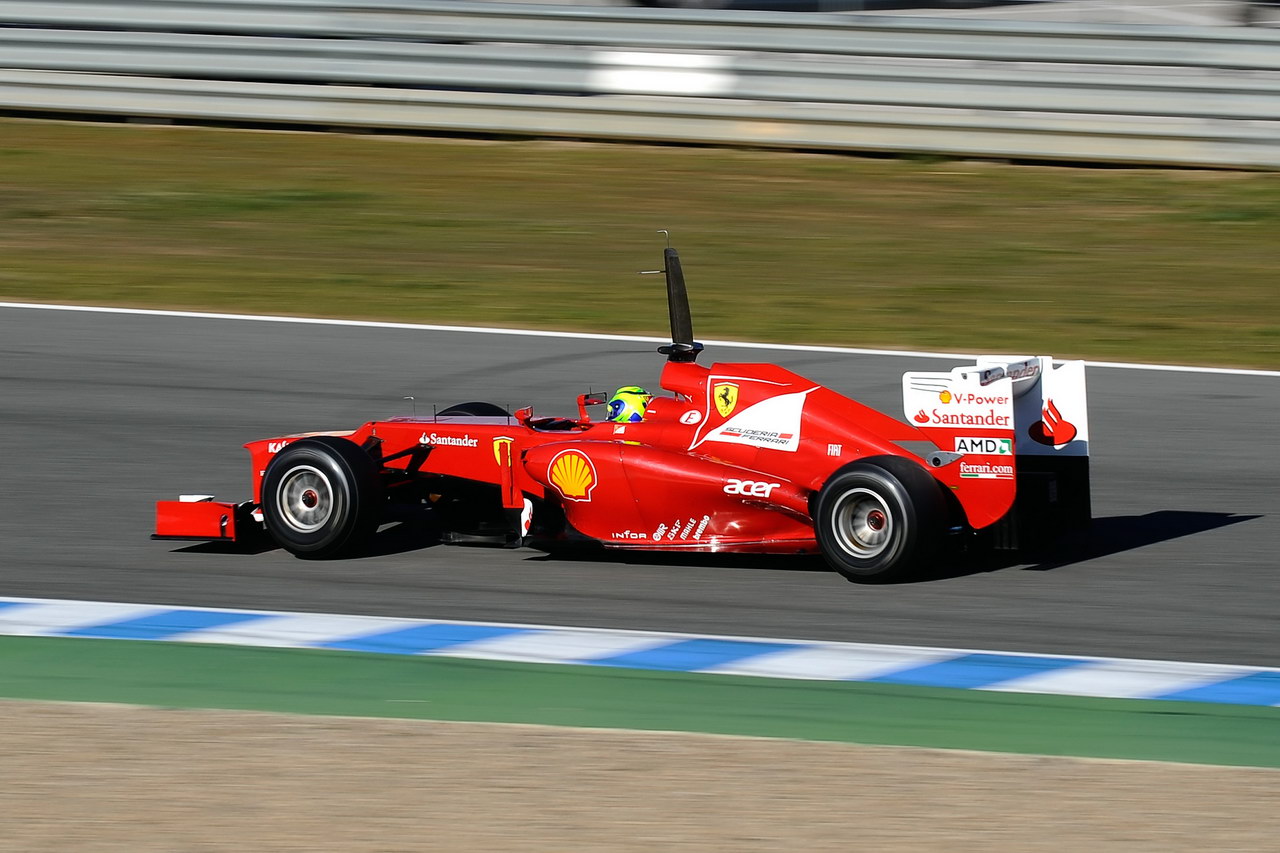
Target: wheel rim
pixel 863 523
pixel 305 498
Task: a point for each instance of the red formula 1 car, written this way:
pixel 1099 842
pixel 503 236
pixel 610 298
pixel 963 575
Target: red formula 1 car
pixel 738 458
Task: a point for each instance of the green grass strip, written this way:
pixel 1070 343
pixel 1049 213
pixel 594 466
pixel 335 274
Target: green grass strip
pixel 917 254
pixel 356 684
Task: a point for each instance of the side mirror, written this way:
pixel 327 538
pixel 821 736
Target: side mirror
pixel 588 399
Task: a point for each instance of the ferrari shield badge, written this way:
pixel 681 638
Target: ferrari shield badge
pixel 726 396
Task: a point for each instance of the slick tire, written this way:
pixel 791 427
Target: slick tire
pixel 879 519
pixel 476 409
pixel 321 497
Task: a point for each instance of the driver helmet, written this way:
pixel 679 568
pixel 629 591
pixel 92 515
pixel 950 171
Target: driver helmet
pixel 628 403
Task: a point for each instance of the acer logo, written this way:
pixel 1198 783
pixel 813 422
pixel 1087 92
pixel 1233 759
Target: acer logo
pixel 750 488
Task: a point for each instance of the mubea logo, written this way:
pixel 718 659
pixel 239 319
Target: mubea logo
pixel 984 446
pixel 573 475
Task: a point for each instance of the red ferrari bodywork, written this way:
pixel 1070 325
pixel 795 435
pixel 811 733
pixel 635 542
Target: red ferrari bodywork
pixel 733 458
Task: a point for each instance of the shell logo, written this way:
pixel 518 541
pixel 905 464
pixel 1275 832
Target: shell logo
pixel 945 396
pixel 573 475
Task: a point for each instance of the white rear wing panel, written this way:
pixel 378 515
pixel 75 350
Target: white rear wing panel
pixel 1045 407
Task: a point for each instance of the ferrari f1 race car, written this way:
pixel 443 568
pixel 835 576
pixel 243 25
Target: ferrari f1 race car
pixel 737 458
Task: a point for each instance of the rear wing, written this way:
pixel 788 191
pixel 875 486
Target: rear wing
pixel 1021 420
pixel 1045 411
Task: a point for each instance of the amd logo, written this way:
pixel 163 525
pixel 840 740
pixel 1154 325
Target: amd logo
pixel 750 488
pixel 984 446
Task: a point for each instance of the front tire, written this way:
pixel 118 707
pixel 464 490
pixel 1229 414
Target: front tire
pixel 878 520
pixel 321 497
pixel 476 409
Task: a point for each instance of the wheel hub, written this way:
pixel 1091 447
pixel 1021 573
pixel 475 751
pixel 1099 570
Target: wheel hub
pixel 305 498
pixel 862 523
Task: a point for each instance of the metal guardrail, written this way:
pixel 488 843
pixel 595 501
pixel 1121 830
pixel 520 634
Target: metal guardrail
pixel 581 71
pixel 670 29
pixel 704 120
pixel 1203 96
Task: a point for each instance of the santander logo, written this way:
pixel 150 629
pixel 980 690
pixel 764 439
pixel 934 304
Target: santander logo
pixel 1052 429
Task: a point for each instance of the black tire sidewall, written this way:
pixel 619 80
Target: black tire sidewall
pixel 475 409
pixel 352 477
pixel 912 509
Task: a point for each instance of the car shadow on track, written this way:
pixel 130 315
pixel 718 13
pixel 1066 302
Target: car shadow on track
pixel 395 539
pixel 244 549
pixel 1105 536
pixel 759 562
pixel 1115 534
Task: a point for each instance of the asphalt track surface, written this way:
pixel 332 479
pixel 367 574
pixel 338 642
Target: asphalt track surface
pixel 101 414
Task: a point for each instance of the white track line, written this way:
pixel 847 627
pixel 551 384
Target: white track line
pixel 591 336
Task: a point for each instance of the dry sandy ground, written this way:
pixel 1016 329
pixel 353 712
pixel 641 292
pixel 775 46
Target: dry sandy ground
pixel 115 778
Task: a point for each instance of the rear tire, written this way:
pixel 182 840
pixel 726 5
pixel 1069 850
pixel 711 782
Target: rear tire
pixel 321 497
pixel 878 519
